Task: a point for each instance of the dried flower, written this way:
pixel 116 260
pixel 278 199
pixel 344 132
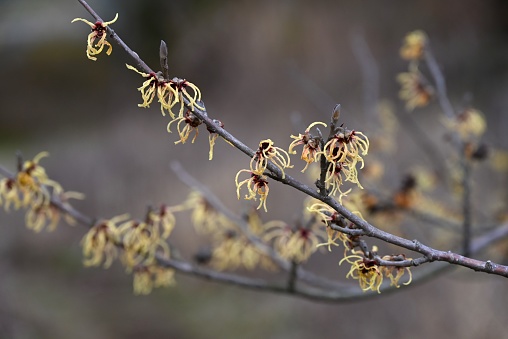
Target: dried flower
pixel 99 31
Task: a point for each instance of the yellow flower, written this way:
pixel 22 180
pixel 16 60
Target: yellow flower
pixel 399 271
pixel 213 136
pixel 346 147
pixel 366 271
pixel 415 90
pixel 233 250
pixel 327 215
pixel 169 93
pixel 293 243
pixel 40 216
pixel 141 242
pixel 470 123
pixel 343 151
pixel 29 187
pixel 191 124
pixel 205 218
pixel 267 151
pixel 155 84
pixel 162 220
pixel 333 179
pixel 148 277
pixel 99 31
pixel 99 244
pixel 256 185
pixel 194 100
pixel 414 45
pixel 312 145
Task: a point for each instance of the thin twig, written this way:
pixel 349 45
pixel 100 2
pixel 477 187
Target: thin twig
pixel 439 80
pixel 466 203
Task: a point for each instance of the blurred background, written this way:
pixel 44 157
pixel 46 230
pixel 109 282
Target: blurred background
pixel 266 69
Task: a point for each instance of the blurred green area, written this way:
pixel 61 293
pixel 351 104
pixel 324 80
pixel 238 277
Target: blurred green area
pixel 242 55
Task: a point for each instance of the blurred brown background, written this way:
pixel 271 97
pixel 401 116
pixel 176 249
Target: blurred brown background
pixel 257 65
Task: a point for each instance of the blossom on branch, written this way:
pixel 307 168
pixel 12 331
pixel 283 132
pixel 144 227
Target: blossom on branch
pixel 469 124
pixel 257 185
pixel 48 215
pixel 366 271
pixel 414 45
pixel 394 273
pixel 155 84
pixel 415 90
pixel 233 250
pixel 192 123
pixel 99 243
pixel 99 31
pixel 29 188
pixel 293 243
pixel 182 86
pixel 169 93
pixel 146 278
pixel 311 145
pixel 267 151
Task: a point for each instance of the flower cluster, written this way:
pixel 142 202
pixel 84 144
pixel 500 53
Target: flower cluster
pixel 141 243
pixel 99 33
pixel 169 93
pixel 370 274
pixel 257 184
pixel 343 152
pixel 32 190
